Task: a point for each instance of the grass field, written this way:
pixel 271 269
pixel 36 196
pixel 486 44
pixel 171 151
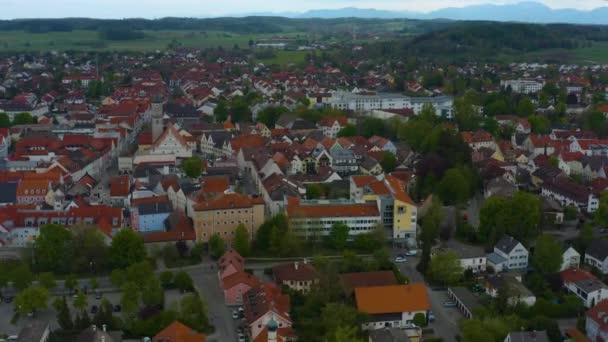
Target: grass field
pixel 597 53
pixel 89 40
pixel 286 57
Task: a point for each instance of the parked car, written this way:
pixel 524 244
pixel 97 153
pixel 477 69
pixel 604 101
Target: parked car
pixel 235 314
pixel 97 295
pixel 117 308
pixel 449 304
pixel 400 259
pixel 431 316
pixel 242 338
pixel 8 299
pixel 94 309
pixel 411 252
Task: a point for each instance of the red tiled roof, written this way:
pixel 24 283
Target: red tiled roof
pixel 573 275
pixel 392 299
pixel 120 186
pixel 178 332
pixel 240 277
pixel 297 271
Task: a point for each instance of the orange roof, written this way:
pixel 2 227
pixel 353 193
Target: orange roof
pixel 153 199
pixel 294 209
pixel 379 188
pixel 175 133
pixel 215 184
pixel 120 186
pixel 573 275
pixel 179 332
pixel 30 187
pixel 398 189
pixel 240 278
pixel 228 201
pixel 247 140
pixel 392 299
pixel 361 181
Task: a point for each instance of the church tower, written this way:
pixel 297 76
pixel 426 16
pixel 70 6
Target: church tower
pixel 157 119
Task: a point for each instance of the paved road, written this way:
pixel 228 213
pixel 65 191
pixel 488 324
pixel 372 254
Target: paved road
pixel 446 319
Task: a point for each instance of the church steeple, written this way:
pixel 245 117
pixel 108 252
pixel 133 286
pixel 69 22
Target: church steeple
pixel 272 327
pixel 157 119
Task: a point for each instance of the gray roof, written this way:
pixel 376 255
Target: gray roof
pixel 154 208
pixel 495 258
pixel 466 298
pixel 388 335
pixel 33 331
pixel 598 249
pixel 529 336
pixel 507 244
pixel 465 251
pixel 8 192
pixel 95 334
pixel 590 285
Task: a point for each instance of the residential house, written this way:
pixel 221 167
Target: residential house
pixel 295 275
pixel 34 331
pixel 331 126
pixel 512 285
pixel 527 336
pixel 509 254
pixel 120 188
pixel 231 262
pixel 584 285
pixel 471 257
pixel 236 285
pixel 178 332
pixel 391 306
pixel 98 334
pixel 382 144
pixel 596 322
pixel 570 259
pixel 596 255
pixel 344 162
pixel 569 193
pixel 479 139
pixel 264 304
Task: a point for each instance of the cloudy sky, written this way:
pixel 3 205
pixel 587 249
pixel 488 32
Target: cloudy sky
pixel 204 8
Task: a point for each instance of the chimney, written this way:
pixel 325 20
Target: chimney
pixel 295 265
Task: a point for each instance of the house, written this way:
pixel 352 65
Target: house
pixel 231 262
pixel 120 187
pixel 351 281
pixel 391 306
pixel 570 259
pixel 527 336
pixel 223 213
pixel 567 192
pixel 150 216
pixel 264 304
pixel 465 300
pixel 596 324
pixel 236 285
pixel 471 257
pixel 513 287
pixel 35 331
pixel 584 285
pixel 331 126
pixel 596 255
pixel 98 334
pixel 509 254
pixel 297 276
pixel 178 332
pixel 389 335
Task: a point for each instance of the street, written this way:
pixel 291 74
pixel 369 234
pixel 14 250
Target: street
pixel 446 319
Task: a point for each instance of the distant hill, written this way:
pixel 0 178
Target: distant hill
pixel 532 12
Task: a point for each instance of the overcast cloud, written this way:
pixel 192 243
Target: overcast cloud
pixel 10 9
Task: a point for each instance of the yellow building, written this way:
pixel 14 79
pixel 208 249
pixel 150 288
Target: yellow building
pixel 222 214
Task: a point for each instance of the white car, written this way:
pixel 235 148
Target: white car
pixel 235 314
pixel 242 338
pixel 411 252
pixel 400 259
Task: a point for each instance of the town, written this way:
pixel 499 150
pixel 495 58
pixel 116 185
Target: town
pixel 203 195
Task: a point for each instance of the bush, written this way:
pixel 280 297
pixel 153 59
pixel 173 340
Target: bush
pixel 183 281
pixel 166 279
pixel 419 320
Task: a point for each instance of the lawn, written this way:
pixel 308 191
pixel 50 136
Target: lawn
pixel 286 57
pixel 11 41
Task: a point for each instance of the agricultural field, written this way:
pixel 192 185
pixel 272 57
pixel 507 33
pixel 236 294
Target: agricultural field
pixel 595 54
pixel 286 57
pixel 11 41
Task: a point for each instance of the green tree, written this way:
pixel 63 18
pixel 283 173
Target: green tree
pixel 5 121
pixel 31 299
pixel 23 119
pixel 81 302
pixel 467 117
pixel 239 110
pixel 547 256
pixel 94 283
pixel 388 162
pixel 127 248
pixel 89 249
pixel 343 334
pixel 372 126
pixel 70 282
pixel 314 191
pixel 519 217
pixel 47 280
pixel 430 231
pixel 192 167
pixel 348 131
pixel 166 279
pixel 601 214
pixel 585 236
pixel 419 319
pixel 539 124
pixel 338 236
pixel 455 187
pixel 525 107
pixel 129 299
pixel 118 277
pixel 335 316
pixel 242 242
pixel 221 111
pixel 183 281
pixel 270 115
pixel 445 268
pixel 64 317
pixel 52 248
pixel 216 246
pixel 152 292
pixel 193 313
pixel 22 277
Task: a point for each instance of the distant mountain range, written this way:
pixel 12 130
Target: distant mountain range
pixel 532 12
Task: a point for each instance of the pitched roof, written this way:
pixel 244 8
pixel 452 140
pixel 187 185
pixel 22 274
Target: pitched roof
pixel 228 201
pixel 296 271
pixel 392 299
pixel 120 186
pixel 231 257
pixel 178 332
pixel 574 275
pixel 350 281
pixel 507 244
pixel 240 277
pixel 598 248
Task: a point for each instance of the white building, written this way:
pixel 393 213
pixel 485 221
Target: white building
pixel 509 254
pixel 596 255
pixel 523 86
pixel 585 286
pixel 570 259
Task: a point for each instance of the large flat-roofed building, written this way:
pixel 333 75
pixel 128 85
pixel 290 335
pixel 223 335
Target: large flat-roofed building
pixel 314 218
pixel 367 102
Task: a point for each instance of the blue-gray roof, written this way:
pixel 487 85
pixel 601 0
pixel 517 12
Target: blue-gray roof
pixel 495 258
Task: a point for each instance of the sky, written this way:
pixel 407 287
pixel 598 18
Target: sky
pixel 11 9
